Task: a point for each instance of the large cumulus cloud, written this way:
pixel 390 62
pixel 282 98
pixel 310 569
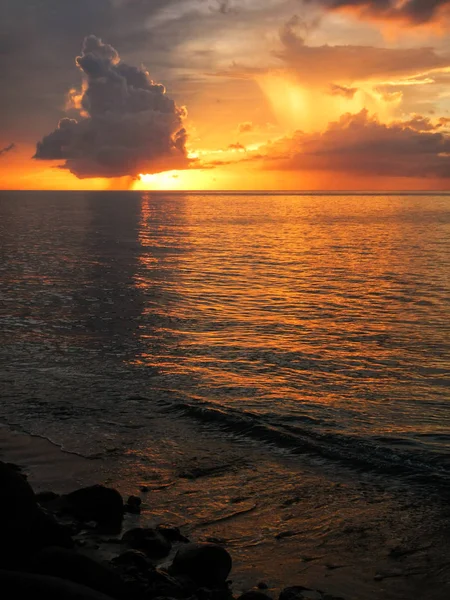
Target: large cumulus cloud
pixel 39 38
pixel 417 12
pixel 129 125
pixel 360 144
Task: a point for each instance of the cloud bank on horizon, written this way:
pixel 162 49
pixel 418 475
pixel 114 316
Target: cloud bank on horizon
pixel 128 125
pixel 361 144
pixel 294 86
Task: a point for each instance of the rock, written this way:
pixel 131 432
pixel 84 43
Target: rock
pixel 70 565
pixel 16 585
pixel 134 501
pixel 206 564
pixel 133 505
pixel 96 503
pixel 25 527
pixel 17 468
pixel 46 497
pixel 46 531
pixel 150 541
pixel 17 499
pixel 132 510
pixel 161 584
pixel 222 593
pixel 254 595
pixel 171 533
pixel 298 592
pixel 133 558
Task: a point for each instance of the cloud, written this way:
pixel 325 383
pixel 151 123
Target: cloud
pixel 236 146
pixel 245 127
pixel 131 125
pixel 342 90
pixel 416 12
pixel 361 144
pixel 7 149
pixel 346 64
pixel 39 38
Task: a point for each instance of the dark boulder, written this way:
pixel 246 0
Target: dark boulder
pixel 134 501
pixel 207 565
pixel 162 584
pixel 133 558
pixel 171 533
pixel 133 505
pixel 254 595
pixel 46 531
pixel 68 564
pixel 45 498
pixel 298 592
pixel 17 500
pixel 14 585
pixel 150 541
pixel 221 593
pixel 96 503
pixel 25 527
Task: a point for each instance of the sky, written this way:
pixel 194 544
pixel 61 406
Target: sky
pixel 225 94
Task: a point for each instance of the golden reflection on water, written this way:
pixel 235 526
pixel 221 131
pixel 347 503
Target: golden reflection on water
pixel 328 307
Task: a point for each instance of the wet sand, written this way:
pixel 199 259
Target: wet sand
pixel 284 521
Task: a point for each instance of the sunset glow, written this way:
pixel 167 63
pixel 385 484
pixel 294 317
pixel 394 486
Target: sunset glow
pixel 191 110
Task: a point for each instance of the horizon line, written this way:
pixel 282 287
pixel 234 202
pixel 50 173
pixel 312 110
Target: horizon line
pixel 251 192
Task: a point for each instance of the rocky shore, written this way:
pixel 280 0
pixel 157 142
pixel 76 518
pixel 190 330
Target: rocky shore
pixel 82 546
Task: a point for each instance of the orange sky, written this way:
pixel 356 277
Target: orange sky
pixel 276 98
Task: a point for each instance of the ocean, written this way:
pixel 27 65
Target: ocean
pixel 203 334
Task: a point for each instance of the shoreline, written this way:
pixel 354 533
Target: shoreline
pixel 286 527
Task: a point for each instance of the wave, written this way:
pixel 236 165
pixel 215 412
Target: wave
pixel 363 453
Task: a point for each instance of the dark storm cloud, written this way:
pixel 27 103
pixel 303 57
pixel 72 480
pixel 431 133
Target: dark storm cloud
pixel 38 40
pixel 7 149
pixel 131 125
pixel 361 144
pixel 415 11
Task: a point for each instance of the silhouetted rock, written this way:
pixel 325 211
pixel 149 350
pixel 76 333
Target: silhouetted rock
pixel 25 527
pixel 17 499
pixel 133 558
pixel 68 564
pixel 46 531
pixel 162 584
pixel 173 534
pixel 134 500
pixel 254 595
pixel 298 592
pixel 46 497
pixel 221 593
pixel 262 585
pixel 150 541
pixel 207 564
pixel 15 585
pixel 133 505
pixel 96 503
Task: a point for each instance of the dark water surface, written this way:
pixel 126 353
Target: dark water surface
pixel 275 369
pixel 312 322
